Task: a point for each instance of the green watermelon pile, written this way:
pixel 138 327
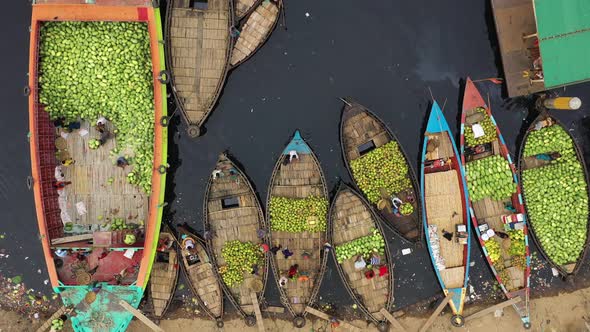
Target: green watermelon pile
pixel 556 195
pixel 298 215
pixel 365 246
pixel 488 128
pixel 490 177
pixel 93 69
pixel 239 257
pixel 383 167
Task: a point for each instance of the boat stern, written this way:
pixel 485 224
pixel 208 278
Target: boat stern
pixel 97 308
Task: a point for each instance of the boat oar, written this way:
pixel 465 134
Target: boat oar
pixel 283 14
pixel 493 308
pixel 436 312
pixel 495 80
pixel 140 316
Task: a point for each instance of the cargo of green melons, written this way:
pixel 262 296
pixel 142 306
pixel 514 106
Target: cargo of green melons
pixel 384 167
pixel 490 177
pixel 298 214
pixel 556 196
pixel 93 69
pixel 365 246
pixel 488 127
pixel 240 257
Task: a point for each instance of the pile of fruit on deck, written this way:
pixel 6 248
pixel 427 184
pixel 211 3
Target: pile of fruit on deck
pixel 93 69
pixel 488 128
pixel 365 246
pixel 240 257
pixel 298 215
pixel 490 177
pixel 516 251
pixel 556 195
pixel 384 167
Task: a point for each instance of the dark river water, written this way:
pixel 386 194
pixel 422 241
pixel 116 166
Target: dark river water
pixel 386 54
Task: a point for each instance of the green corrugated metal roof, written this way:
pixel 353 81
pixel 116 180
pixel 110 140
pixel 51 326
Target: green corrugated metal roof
pixel 563 27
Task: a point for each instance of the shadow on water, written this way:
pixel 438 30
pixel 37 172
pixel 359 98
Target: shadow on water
pixel 494 45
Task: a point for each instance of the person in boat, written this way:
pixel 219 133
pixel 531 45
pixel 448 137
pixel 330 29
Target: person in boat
pixel 255 269
pixel 104 137
pixel 264 247
pixel 283 281
pixel 293 271
pixel 292 155
pixel 383 270
pixel 74 125
pixel 370 274
pixel 59 185
pixel 164 244
pixel 375 259
pixel 68 161
pixel 101 124
pixel 122 162
pixel 548 156
pixel 544 123
pixel 287 253
pixel 59 122
pixel 187 242
pixel 303 276
pixel 275 248
pixel 217 173
pixel 61 253
pixel 360 263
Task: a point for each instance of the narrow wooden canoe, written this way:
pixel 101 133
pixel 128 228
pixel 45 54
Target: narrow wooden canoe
pixel 199 47
pixel 255 30
pixel 164 272
pixel 120 271
pixel 352 218
pixel 446 211
pixel 243 8
pixel 298 180
pixel 200 273
pixel 231 212
pixel 552 203
pixel 361 132
pixel 512 271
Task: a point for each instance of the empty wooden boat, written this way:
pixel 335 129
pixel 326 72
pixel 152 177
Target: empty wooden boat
pixel 198 52
pixel 255 30
pixel 380 168
pixel 498 213
pixel 297 209
pixel 199 271
pixel 367 273
pixel 233 217
pixel 244 7
pixel 446 211
pixel 164 272
pixel 555 191
pixel 98 229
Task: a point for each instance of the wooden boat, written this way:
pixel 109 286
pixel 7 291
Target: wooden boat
pixel 511 270
pixel 351 218
pixel 362 132
pixel 200 272
pixel 446 211
pixel 199 47
pixel 104 270
pixel 243 8
pixel 297 181
pixel 534 167
pixel 164 272
pixel 255 30
pixel 232 212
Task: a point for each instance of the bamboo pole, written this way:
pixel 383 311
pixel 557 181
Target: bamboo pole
pixel 396 325
pixel 325 316
pixel 259 320
pixel 493 308
pixel 436 312
pixel 140 316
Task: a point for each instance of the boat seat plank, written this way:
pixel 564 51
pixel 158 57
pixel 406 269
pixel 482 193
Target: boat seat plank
pixel 453 277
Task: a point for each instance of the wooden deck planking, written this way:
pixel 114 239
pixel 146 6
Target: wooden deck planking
pixel 242 7
pixel 299 179
pixel 445 148
pixel 203 280
pixel 255 32
pixel 239 223
pixel 163 281
pixel 444 209
pixel 361 128
pixel 199 45
pixel 89 176
pixel 351 219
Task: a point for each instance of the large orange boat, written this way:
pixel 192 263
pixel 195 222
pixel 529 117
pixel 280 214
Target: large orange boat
pixel 99 226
